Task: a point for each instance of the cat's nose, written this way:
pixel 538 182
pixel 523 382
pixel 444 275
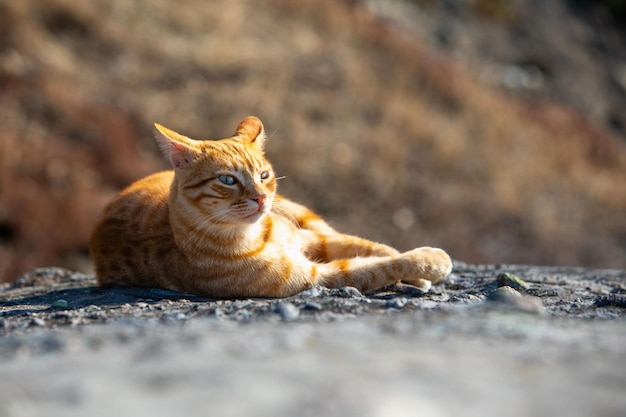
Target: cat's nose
pixel 260 199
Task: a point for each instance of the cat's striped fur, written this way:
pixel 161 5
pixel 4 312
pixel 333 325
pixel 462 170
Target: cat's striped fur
pixel 214 226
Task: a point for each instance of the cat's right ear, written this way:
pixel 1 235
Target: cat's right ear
pixel 252 132
pixel 176 147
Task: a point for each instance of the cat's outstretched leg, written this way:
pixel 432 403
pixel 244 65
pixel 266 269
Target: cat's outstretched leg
pixel 371 273
pixel 326 248
pixel 322 247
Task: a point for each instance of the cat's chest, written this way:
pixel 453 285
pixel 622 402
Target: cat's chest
pixel 284 234
pixel 281 236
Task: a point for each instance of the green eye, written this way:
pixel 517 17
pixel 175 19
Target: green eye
pixel 265 175
pixel 227 179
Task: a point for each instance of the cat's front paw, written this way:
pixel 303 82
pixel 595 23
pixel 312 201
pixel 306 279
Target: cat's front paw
pixel 432 264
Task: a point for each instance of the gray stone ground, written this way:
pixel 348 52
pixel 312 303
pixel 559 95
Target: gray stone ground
pixel 483 343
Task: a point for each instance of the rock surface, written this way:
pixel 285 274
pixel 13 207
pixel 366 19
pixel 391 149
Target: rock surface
pixel 474 345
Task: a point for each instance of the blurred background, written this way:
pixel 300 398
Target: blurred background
pixel 495 129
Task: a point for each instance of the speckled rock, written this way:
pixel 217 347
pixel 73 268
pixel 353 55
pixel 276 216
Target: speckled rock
pixel 330 352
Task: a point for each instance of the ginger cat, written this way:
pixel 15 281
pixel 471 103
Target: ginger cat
pixel 214 226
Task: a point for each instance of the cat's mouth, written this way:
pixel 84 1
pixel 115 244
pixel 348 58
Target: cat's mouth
pixel 257 214
pixel 254 217
pixel 256 208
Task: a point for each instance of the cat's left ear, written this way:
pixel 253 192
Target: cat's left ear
pixel 176 147
pixel 252 132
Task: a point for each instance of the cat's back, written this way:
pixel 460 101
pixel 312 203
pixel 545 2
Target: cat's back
pixel 134 224
pixel 151 192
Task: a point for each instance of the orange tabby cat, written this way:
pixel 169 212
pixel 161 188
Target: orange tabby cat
pixel 214 226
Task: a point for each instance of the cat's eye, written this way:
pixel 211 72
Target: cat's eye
pixel 265 175
pixel 227 179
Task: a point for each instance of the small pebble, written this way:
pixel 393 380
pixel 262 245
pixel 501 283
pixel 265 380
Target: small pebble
pixel 36 321
pixel 504 294
pixel 316 291
pixel 287 311
pixel 510 298
pixel 312 306
pixel 220 314
pixel 60 316
pixel 347 292
pixel 59 304
pixel 506 279
pixel 397 302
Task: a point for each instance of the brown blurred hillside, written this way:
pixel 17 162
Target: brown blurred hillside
pixel 373 127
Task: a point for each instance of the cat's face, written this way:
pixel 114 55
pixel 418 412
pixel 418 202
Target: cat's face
pixel 227 181
pixel 230 184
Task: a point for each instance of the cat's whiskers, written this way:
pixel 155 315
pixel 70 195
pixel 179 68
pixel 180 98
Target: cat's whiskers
pixel 286 213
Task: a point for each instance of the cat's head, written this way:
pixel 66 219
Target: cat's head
pixel 226 181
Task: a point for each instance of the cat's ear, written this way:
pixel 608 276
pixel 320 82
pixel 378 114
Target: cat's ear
pixel 251 131
pixel 176 147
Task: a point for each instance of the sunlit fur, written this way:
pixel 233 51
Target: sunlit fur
pixel 195 230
